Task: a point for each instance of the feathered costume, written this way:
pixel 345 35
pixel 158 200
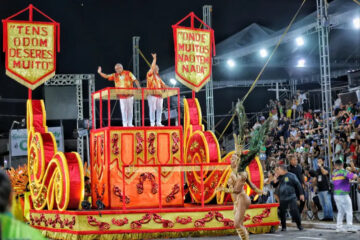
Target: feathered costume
pixel 239 162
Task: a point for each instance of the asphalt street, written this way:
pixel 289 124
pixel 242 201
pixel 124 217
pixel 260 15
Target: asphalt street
pixel 291 234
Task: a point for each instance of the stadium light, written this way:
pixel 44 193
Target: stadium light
pixel 300 41
pixel 173 81
pixel 301 63
pixel 263 53
pixel 231 63
pixel 356 22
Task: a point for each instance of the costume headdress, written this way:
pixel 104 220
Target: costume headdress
pixel 256 140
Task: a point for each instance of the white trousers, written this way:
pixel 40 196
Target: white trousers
pixel 155 105
pixel 126 107
pixel 344 206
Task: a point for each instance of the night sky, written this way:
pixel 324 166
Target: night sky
pixel 99 33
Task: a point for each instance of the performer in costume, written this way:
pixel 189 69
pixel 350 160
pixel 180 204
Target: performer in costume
pixel 155 101
pixel 239 176
pixel 123 79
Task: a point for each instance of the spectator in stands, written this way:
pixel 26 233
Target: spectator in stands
pixel 310 188
pixel 323 186
pixel 302 135
pixel 315 155
pixel 10 227
pixel 341 180
pixel 288 105
pixel 268 187
pixel 337 103
pixel 293 108
pixel 308 114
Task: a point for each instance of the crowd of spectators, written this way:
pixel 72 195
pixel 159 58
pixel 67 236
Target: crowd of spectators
pixel 297 141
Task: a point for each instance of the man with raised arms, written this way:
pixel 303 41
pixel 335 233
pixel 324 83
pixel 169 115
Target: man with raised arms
pixel 123 79
pixel 155 101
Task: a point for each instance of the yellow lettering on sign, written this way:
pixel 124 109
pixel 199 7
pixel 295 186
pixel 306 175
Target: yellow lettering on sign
pixel 30 52
pixel 193 57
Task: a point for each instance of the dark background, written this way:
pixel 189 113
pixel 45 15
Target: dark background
pixel 99 33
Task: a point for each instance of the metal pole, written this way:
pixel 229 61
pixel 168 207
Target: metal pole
pixel 136 72
pixel 207 9
pixel 88 150
pixel 325 77
pixel 277 91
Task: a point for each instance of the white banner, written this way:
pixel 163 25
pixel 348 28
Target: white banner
pixel 19 140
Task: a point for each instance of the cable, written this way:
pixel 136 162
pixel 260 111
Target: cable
pixel 143 56
pixel 266 63
pixel 222 134
pixel 273 52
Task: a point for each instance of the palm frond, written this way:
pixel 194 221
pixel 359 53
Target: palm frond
pixel 242 121
pixel 256 141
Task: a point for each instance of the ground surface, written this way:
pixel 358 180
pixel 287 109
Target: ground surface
pixel 292 234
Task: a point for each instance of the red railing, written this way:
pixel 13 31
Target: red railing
pixel 160 166
pixel 112 93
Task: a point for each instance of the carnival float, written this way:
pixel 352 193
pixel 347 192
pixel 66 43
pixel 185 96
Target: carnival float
pixel 139 175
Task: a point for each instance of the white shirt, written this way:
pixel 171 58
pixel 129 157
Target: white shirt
pixel 337 103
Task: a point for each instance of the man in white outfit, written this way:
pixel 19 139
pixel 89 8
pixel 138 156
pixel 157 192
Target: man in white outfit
pixel 155 101
pixel 123 79
pixel 341 179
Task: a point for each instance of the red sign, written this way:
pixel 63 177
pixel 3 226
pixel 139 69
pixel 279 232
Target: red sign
pixel 30 49
pixel 193 53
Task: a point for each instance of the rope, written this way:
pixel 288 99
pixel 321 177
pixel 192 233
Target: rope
pixel 206 123
pixel 357 2
pixel 222 134
pixel 143 56
pixel 266 63
pixel 273 52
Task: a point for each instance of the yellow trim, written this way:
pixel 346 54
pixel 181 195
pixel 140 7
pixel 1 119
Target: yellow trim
pixel 82 224
pixel 338 178
pixel 248 189
pixel 217 145
pixel 261 173
pixel 192 87
pixel 44 115
pixel 26 84
pixel 29 115
pixel 41 143
pixel 82 183
pixel 54 141
pixel 138 236
pixel 207 160
pixel 220 195
pixel 199 110
pixel 67 181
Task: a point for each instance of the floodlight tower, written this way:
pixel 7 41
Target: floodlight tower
pixel 136 72
pixel 323 25
pixel 207 9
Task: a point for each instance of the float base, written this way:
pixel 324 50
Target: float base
pixel 188 221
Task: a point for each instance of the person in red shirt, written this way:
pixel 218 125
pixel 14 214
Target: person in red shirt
pixel 155 101
pixel 123 79
pixel 308 115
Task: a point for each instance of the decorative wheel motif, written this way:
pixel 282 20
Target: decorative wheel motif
pixel 50 170
pixel 202 147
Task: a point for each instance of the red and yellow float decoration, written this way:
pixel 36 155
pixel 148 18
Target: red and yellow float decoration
pixel 194 48
pixel 202 147
pixel 30 48
pixel 49 170
pixel 126 167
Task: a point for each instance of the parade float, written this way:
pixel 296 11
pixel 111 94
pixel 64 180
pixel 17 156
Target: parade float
pixel 140 175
